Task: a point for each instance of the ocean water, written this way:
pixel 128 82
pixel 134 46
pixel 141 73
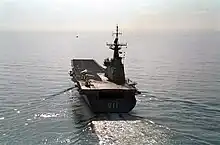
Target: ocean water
pixel 177 72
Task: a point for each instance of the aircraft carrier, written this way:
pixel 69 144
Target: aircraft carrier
pixel 105 88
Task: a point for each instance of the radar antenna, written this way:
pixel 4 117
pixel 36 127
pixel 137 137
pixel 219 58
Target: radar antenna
pixel 116 46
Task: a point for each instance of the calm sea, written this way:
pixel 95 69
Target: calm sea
pixel 177 72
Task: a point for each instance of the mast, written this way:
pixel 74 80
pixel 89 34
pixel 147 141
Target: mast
pixel 116 46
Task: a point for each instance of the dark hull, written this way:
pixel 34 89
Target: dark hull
pixel 110 101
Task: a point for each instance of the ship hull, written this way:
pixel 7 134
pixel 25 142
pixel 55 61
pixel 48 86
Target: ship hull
pixel 109 101
pixel 100 94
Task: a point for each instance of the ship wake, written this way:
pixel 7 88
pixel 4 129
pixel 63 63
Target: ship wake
pixel 126 129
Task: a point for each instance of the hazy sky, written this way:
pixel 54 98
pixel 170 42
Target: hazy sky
pixel 105 14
